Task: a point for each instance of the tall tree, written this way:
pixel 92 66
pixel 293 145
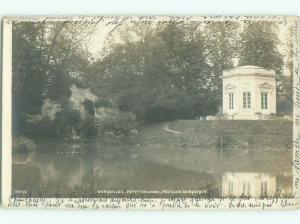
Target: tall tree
pixel 159 74
pixel 47 57
pixel 222 38
pixel 260 46
pixel 285 101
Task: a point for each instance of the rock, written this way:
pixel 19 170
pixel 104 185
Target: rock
pixel 23 145
pixel 133 131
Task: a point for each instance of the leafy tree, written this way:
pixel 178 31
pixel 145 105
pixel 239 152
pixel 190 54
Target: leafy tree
pixel 28 81
pixel 47 58
pixel 285 101
pixel 259 46
pixel 157 72
pixel 222 38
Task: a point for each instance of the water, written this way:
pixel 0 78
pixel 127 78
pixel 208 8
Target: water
pixel 89 170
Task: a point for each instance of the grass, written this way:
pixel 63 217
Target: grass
pixel 207 134
pixel 250 146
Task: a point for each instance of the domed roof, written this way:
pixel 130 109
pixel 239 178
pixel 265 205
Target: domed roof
pixel 248 70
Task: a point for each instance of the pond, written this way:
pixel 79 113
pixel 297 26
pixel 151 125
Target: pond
pixel 64 169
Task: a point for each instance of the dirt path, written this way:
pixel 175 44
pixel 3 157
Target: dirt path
pixel 167 129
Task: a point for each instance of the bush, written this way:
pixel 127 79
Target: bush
pixel 42 128
pixel 170 105
pixel 67 119
pixel 22 145
pixel 88 128
pixel 118 122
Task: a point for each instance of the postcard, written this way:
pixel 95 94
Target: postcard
pixel 151 112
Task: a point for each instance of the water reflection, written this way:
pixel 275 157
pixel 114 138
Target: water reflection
pixel 60 170
pixel 248 184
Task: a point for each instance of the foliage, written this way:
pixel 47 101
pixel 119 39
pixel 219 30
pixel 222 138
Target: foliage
pixel 222 44
pixel 89 107
pixel 88 128
pixel 146 73
pixel 66 120
pixel 22 145
pixel 157 76
pixel 119 122
pixel 259 46
pixel 47 58
pixel 285 96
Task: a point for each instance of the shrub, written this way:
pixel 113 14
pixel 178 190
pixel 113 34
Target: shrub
pixel 88 128
pixel 118 122
pixel 67 119
pixel 44 127
pixel 22 145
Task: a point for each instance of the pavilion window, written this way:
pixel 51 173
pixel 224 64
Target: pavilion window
pixel 246 100
pixel 264 100
pixel 230 95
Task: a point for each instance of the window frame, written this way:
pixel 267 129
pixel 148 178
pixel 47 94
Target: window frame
pixel 231 100
pixel 246 100
pixel 264 102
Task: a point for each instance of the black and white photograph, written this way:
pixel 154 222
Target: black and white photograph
pixel 151 107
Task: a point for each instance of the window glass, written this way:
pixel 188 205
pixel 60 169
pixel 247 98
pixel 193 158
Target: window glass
pixel 230 101
pixel 264 100
pixel 246 100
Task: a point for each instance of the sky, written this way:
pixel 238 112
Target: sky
pixel 110 25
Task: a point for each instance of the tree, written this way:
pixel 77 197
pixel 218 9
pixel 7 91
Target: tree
pixel 285 101
pixel 222 38
pixel 27 68
pixel 259 46
pixel 47 58
pixel 159 74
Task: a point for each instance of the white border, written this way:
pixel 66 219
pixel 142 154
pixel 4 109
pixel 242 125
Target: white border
pixel 65 203
pixel 6 110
